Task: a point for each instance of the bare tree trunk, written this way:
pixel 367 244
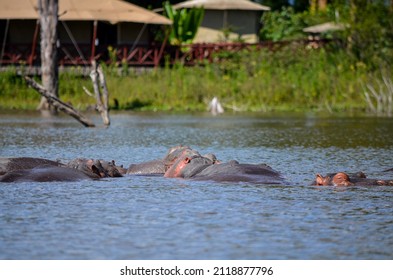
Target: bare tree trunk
pixel 48 10
pixel 101 92
pixel 322 4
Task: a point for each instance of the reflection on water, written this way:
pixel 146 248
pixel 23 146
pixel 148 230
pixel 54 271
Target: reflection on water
pixel 157 218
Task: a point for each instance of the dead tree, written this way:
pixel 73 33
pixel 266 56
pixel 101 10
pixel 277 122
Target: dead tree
pixel 48 11
pixel 100 91
pixel 58 104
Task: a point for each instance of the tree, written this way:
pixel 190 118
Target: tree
pixel 185 23
pixel 48 11
pixel 370 32
pixel 318 5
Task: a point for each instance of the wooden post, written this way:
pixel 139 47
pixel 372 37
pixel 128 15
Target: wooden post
pixel 48 11
pixel 158 58
pixel 93 43
pixel 31 58
pixel 4 41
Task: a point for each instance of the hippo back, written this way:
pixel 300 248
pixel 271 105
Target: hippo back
pixel 45 174
pixel 21 163
pixel 149 167
pixel 236 172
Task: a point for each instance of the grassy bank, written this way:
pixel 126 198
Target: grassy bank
pixel 292 79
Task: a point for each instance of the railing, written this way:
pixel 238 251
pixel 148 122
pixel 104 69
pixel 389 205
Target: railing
pixel 152 55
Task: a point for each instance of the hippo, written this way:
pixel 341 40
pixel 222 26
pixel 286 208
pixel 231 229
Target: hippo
pixel 98 167
pixel 201 168
pixel 44 170
pixel 160 166
pixel 21 163
pixel 46 173
pixel 342 179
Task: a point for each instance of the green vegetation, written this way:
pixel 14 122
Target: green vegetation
pixel 295 78
pixel 333 78
pixel 185 23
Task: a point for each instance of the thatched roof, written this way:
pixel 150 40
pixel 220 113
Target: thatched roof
pixel 223 5
pixel 104 10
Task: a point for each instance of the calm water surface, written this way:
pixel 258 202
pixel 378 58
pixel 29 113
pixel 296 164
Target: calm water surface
pixel 156 218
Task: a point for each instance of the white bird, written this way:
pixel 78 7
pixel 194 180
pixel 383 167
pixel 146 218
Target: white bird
pixel 215 107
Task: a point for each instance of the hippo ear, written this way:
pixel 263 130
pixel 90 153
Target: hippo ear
pixel 95 170
pixel 320 180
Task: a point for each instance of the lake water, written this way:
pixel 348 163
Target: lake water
pixel 137 217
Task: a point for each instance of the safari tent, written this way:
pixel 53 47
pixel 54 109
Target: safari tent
pixel 85 26
pixel 227 20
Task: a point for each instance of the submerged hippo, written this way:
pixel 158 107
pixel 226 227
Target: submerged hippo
pixel 201 168
pixel 100 168
pixel 342 179
pixel 46 173
pixel 21 163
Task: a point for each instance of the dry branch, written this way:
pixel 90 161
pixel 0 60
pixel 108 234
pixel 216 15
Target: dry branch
pixel 380 102
pixel 97 76
pixel 58 103
pixel 87 92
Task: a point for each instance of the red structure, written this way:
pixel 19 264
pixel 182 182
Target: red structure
pixel 140 55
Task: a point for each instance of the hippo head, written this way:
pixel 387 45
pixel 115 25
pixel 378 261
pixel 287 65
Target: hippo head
pixel 175 153
pixel 213 158
pixel 187 166
pixel 96 167
pixel 88 166
pixel 111 170
pixel 340 179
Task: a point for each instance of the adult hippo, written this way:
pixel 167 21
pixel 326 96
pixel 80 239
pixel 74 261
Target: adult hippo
pixel 201 168
pixel 100 168
pixel 46 173
pixel 160 166
pixel 21 163
pixel 43 170
pixel 342 179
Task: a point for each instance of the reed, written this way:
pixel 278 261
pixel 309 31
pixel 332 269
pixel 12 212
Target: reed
pixel 379 96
